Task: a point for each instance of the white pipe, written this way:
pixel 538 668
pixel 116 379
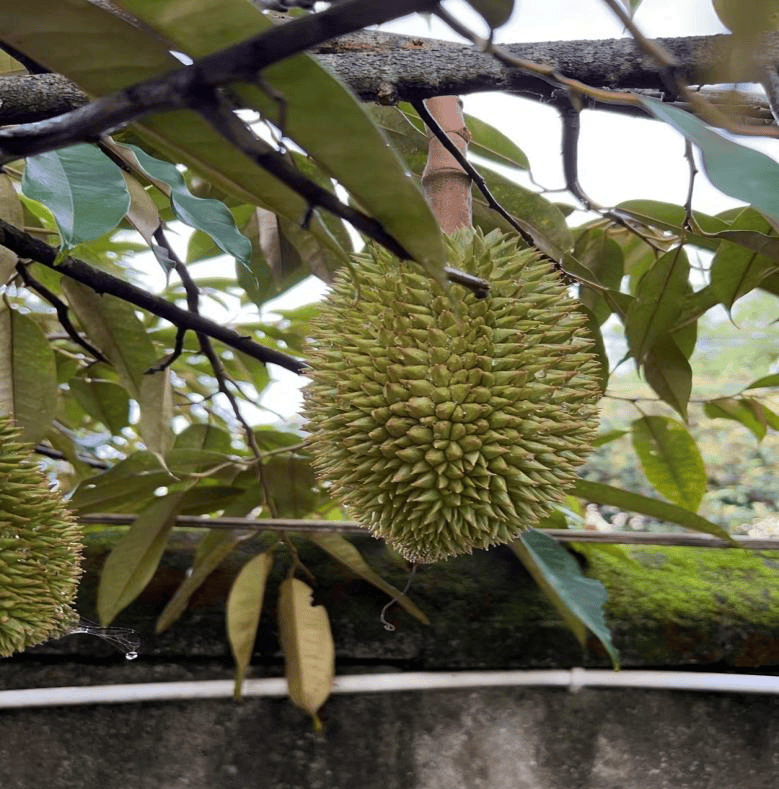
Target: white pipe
pixel 574 679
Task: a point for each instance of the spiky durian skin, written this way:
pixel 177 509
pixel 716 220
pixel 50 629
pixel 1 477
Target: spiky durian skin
pixel 40 551
pixel 440 435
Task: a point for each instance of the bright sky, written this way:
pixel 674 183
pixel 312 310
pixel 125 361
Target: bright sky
pixel 620 158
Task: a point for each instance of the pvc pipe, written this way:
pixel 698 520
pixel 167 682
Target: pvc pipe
pixel 574 680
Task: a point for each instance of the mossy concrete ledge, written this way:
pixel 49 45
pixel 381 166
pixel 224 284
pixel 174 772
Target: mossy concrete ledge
pixel 708 608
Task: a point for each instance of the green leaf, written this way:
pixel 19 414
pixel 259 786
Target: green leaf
pixel 741 409
pixel 199 436
pixel 211 216
pixel 82 187
pixel 105 401
pixel 604 258
pixel 765 381
pixel 598 493
pixel 307 644
pixel 578 600
pixel 658 302
pixel 134 559
pixel 736 270
pixel 738 171
pixel 495 12
pixel 344 552
pixel 670 459
pixel 608 437
pixel 244 606
pixel 128 487
pixel 114 328
pixel 668 372
pixel 28 374
pixel 488 142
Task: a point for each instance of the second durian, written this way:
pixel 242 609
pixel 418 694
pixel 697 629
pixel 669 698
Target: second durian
pixel 440 432
pixel 40 551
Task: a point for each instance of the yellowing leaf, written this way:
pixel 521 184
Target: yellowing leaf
pixel 114 328
pixel 244 606
pixel 308 648
pixel 134 559
pixel 28 374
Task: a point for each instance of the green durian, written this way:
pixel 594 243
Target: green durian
pixel 446 429
pixel 40 551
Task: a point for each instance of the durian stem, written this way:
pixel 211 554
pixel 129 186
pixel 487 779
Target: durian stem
pixel 446 184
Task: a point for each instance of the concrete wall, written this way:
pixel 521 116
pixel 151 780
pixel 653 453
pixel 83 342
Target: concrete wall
pixel 485 613
pixel 488 739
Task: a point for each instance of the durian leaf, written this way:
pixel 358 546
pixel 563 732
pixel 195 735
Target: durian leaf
pixel 134 559
pixel 671 217
pixel 28 374
pixel 495 12
pixel 740 409
pixel 578 600
pixel 668 372
pixel 658 302
pixel 307 643
pixel 608 437
pixel 113 327
pixel 244 607
pixel 105 401
pixel 202 436
pixel 736 170
pixel 314 109
pixel 736 270
pixel 488 142
pixel 211 216
pixel 598 493
pixel 764 382
pixel 670 459
pixel 12 212
pixel 604 258
pixel 127 487
pixel 344 552
pixel 82 188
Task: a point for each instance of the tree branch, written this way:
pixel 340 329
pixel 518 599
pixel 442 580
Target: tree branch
pixel 386 68
pixel 25 246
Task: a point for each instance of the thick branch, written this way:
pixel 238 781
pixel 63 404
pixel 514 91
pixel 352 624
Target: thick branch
pixel 25 246
pixel 385 68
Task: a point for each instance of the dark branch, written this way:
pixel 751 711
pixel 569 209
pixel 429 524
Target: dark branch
pixel 26 246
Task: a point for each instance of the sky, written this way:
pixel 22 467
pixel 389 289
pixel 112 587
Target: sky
pixel 619 158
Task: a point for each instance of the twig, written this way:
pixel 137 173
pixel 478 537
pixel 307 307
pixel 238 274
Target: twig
pixel 689 155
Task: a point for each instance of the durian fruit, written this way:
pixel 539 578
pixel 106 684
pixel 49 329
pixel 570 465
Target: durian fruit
pixel 40 551
pixel 444 432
